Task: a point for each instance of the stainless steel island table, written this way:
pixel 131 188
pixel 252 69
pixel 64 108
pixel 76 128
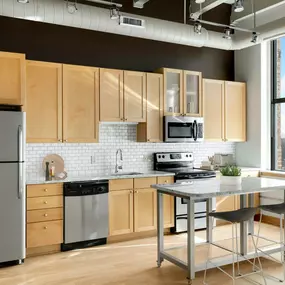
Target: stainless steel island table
pixel 206 189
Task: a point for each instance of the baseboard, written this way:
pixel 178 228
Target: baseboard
pixel 43 250
pixel 134 236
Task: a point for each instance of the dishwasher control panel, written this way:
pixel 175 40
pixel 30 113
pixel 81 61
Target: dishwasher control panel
pixel 86 188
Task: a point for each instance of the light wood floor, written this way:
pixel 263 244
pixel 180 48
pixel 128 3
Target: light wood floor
pixel 125 263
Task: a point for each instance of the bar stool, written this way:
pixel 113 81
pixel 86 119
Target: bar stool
pixel 278 209
pixel 235 217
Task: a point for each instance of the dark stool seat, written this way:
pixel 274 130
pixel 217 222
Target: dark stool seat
pixel 238 216
pixel 277 209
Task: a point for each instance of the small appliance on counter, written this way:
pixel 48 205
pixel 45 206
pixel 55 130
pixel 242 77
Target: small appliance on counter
pixel 86 214
pixel 223 159
pixel 182 164
pixel 183 129
pixel 53 166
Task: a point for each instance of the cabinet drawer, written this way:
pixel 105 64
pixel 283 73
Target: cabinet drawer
pixel 44 233
pixel 44 202
pixel 165 180
pixel 121 184
pixel 44 190
pixel 144 182
pixel 35 216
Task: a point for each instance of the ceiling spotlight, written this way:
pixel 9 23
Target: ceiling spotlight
pixel 199 1
pixel 198 28
pixel 228 34
pixel 114 13
pixel 238 6
pixel 23 1
pixel 254 37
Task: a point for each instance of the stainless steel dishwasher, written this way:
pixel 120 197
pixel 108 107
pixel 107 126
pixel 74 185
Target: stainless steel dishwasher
pixel 86 214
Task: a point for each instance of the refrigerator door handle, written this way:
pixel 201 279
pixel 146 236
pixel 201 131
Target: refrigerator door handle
pixel 20 162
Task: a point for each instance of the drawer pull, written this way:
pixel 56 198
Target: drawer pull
pixel 45 228
pixel 131 192
pixel 45 215
pixel 45 202
pixel 45 190
pixel 166 181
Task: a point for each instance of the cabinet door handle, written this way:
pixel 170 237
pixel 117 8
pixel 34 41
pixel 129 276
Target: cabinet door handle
pixel 45 202
pixel 166 181
pixel 45 215
pixel 131 192
pixel 45 228
pixel 45 190
pixel 125 119
pixel 136 192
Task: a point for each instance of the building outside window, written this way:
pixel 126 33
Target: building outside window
pixel 278 105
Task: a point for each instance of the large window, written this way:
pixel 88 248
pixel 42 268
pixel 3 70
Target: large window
pixel 278 105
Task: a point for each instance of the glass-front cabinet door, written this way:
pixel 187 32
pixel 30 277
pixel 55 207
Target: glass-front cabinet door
pixel 192 93
pixel 173 103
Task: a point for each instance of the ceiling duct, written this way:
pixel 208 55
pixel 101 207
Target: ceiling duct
pixel 139 3
pixel 98 19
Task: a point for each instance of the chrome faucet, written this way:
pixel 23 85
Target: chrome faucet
pixel 119 165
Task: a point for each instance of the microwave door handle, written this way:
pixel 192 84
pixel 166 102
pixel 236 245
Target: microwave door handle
pixel 195 130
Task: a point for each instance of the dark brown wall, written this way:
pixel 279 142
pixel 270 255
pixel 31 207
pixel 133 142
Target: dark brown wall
pixel 53 43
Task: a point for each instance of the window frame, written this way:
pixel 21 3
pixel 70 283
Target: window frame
pixel 274 101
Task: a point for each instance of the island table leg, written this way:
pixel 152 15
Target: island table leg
pixel 209 229
pixel 251 222
pixel 191 240
pixel 243 228
pixel 160 228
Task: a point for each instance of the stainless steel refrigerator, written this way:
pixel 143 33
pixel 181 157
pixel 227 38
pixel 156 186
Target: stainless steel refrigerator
pixel 12 186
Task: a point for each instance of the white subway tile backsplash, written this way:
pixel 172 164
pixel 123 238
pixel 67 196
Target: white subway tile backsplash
pixel 136 156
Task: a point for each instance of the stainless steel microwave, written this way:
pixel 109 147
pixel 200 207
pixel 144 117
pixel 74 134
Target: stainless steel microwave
pixel 183 129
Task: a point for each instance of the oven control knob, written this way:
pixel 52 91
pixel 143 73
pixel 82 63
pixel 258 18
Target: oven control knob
pixel 163 156
pixel 186 155
pixel 159 156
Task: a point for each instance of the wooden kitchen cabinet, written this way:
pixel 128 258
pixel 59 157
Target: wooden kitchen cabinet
pixel 182 92
pixel 144 209
pixel 235 111
pixel 224 110
pixel 121 207
pixel 12 78
pixel 134 96
pixel 44 102
pixel 152 130
pixel 111 95
pixel 80 103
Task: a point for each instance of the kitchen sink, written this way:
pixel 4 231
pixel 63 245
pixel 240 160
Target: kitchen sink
pixel 126 173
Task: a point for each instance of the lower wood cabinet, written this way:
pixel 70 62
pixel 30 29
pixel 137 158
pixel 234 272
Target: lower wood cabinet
pixel 121 206
pixel 135 210
pixel 44 233
pixel 44 218
pixel 144 210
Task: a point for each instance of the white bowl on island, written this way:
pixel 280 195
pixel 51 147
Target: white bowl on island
pixel 231 180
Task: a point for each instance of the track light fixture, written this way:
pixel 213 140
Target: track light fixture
pixel 254 37
pixel 198 28
pixel 71 6
pixel 114 13
pixel 238 6
pixel 227 34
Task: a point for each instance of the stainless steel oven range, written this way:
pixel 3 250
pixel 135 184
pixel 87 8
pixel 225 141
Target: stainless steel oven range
pixel 182 164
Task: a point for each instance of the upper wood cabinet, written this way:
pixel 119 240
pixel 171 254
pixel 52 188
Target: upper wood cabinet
pixel 111 95
pixel 152 130
pixel 224 110
pixel 12 78
pixel 213 111
pixel 80 103
pixel 182 92
pixel 135 96
pixel 235 111
pixel 44 102
pixel 122 96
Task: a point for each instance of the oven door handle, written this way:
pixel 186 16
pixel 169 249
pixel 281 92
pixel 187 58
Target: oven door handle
pixel 185 218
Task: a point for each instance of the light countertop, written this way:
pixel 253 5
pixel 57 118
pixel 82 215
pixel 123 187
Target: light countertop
pixel 211 187
pixel 102 177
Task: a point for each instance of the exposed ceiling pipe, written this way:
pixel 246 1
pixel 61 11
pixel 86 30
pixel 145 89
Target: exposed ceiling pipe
pixel 98 19
pixel 109 3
